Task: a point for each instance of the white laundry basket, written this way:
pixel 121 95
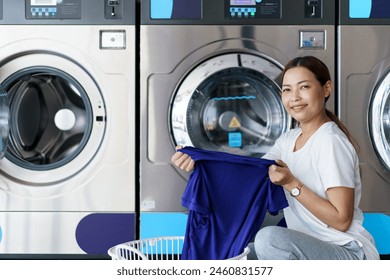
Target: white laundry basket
pixel 158 248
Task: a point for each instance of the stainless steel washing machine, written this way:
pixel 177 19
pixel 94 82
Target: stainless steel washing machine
pixel 210 78
pixel 364 93
pixel 67 178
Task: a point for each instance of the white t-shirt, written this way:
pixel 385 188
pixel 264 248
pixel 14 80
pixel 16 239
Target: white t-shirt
pixel 327 160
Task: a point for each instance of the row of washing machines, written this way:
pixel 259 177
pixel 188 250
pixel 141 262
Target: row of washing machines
pixel 95 95
pixel 210 78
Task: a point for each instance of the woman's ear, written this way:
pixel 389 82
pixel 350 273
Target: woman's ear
pixel 328 88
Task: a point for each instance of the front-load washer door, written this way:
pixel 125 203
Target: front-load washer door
pixel 230 103
pixel 379 120
pixel 4 121
pixel 57 118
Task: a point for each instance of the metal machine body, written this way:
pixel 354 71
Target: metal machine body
pixel 67 178
pixel 364 93
pixel 210 78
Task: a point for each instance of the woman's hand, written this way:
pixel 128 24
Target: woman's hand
pixel 281 175
pixel 182 160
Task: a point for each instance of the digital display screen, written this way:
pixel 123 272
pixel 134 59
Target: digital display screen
pixel 43 2
pixel 175 9
pixel 243 2
pixel 369 9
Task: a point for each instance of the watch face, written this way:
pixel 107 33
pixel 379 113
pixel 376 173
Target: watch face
pixel 295 192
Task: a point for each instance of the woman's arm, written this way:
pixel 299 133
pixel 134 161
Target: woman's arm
pixel 335 211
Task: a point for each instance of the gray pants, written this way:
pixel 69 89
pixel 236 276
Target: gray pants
pixel 279 243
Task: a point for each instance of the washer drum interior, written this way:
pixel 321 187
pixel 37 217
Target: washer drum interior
pixel 50 118
pixel 230 103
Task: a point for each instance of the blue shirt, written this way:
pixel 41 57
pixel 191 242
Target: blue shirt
pixel 227 197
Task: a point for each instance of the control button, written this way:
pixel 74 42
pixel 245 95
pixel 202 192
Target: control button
pixel 242 12
pixel 312 39
pixel 112 39
pixel 43 12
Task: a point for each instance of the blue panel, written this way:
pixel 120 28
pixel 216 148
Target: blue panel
pixel 175 9
pixel 98 232
pixel 380 9
pixel 161 9
pixel 360 8
pixel 235 139
pixel 162 224
pixel 378 224
pixel 1 234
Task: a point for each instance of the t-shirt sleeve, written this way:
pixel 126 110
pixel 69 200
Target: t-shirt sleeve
pixel 336 162
pixel 195 197
pixel 276 198
pixel 275 152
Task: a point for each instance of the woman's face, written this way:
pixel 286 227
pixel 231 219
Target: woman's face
pixel 303 96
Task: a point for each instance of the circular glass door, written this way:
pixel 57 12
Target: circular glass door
pixel 379 120
pixel 49 111
pixel 230 103
pixel 57 118
pixel 4 121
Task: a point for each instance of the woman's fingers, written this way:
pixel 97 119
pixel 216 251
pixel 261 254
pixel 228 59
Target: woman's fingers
pixel 183 161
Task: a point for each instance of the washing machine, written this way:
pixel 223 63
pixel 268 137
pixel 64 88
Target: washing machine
pixel 364 93
pixel 67 176
pixel 210 77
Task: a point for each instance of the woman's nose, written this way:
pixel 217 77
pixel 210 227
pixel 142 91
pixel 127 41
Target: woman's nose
pixel 294 95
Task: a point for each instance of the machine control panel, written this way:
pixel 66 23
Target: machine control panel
pixel 247 9
pixel 68 12
pixel 238 12
pixel 53 9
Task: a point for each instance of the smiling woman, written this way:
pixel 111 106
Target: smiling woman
pixel 303 97
pixel 306 88
pixel 318 168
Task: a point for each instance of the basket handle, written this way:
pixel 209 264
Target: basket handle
pixel 124 252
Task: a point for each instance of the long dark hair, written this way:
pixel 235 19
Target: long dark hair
pixel 321 73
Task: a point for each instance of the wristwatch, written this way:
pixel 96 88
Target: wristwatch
pixel 296 190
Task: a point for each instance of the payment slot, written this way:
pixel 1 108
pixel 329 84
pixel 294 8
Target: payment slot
pixel 313 8
pixel 113 9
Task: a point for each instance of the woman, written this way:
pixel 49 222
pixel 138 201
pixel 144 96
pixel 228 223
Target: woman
pixel 319 169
